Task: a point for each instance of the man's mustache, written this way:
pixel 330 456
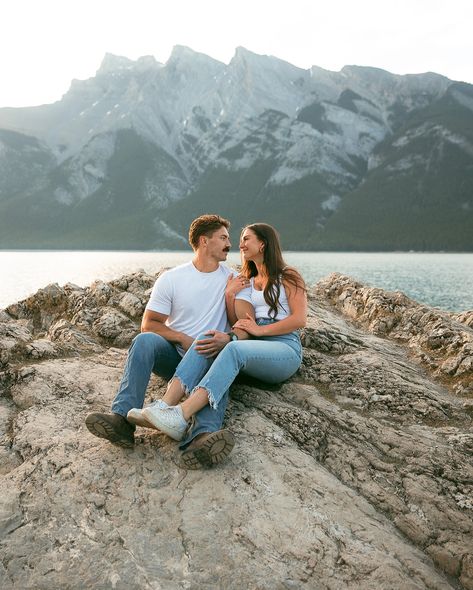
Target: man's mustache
pixel 227 249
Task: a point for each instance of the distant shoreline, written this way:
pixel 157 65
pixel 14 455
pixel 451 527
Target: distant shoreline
pixel 443 280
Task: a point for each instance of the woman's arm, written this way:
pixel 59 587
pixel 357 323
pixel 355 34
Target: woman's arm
pixel 235 284
pixel 297 299
pixel 243 309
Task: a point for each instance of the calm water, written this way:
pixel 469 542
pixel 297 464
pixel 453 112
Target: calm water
pixel 441 280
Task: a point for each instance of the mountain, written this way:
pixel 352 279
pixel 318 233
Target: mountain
pixel 356 159
pixel 419 188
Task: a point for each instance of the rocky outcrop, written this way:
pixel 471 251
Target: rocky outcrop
pixel 444 346
pixel 356 473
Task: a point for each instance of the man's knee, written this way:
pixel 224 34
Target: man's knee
pixel 147 342
pixel 202 336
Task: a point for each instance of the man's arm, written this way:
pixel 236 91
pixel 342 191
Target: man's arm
pixel 154 322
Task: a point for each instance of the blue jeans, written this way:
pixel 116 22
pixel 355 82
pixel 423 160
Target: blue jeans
pixel 272 359
pixel 151 353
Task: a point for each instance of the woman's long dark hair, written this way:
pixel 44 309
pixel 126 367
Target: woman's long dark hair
pixel 276 269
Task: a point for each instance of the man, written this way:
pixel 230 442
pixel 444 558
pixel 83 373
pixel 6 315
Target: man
pixel 186 301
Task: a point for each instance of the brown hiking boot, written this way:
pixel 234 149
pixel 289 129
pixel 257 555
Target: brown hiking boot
pixel 208 449
pixel 113 427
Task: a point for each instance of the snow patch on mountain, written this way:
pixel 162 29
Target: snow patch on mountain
pixel 411 135
pixel 456 139
pixel 332 203
pixel 163 229
pixel 63 196
pixel 406 164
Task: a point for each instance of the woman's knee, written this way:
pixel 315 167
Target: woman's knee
pixel 273 370
pixel 233 350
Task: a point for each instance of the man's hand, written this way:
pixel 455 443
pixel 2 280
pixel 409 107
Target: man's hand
pixel 211 346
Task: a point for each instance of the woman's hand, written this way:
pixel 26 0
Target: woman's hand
pixel 250 326
pixel 235 285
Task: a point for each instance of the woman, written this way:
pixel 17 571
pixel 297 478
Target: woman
pixel 264 342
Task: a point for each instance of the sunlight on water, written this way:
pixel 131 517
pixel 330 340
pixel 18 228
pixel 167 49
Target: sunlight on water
pixel 441 280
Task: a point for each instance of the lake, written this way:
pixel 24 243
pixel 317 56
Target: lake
pixel 442 280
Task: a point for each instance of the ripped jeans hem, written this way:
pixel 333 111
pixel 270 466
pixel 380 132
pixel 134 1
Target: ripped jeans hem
pixel 213 403
pixel 185 389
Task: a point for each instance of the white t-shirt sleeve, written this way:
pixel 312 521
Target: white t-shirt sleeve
pixel 160 300
pixel 244 294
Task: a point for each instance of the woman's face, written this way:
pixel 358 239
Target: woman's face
pixel 251 247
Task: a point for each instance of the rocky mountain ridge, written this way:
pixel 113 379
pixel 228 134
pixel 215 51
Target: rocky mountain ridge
pixel 356 472
pixel 142 147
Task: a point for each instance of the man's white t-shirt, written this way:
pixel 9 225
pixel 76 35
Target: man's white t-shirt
pixel 194 301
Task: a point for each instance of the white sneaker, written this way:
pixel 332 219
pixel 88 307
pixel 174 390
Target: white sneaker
pixel 135 415
pixel 169 420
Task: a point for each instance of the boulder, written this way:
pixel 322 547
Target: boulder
pixel 355 473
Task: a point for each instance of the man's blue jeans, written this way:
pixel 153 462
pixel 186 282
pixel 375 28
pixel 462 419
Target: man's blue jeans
pixel 151 353
pixel 272 359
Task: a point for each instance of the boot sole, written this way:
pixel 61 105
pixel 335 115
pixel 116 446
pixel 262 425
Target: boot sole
pixel 103 429
pixel 215 448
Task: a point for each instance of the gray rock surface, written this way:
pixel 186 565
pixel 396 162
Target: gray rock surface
pixel 356 473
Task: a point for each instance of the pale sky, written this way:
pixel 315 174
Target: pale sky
pixel 44 44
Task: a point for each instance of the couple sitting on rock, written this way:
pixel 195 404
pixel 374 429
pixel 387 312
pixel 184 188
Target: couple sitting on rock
pixel 185 339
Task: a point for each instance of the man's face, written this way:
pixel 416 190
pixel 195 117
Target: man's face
pixel 218 244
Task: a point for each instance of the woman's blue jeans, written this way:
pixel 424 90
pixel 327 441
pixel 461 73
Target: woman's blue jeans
pixel 152 353
pixel 272 359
